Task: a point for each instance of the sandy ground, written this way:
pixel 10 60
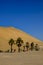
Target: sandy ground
pixel 23 58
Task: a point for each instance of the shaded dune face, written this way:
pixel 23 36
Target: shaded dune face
pixel 6 33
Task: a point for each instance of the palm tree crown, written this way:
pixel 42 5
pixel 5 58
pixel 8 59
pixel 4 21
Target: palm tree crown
pixel 19 43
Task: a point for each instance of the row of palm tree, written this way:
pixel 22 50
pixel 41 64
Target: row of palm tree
pixel 19 42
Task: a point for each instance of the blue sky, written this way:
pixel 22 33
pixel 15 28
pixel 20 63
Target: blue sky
pixel 26 15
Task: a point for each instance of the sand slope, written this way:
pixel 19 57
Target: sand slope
pixel 9 32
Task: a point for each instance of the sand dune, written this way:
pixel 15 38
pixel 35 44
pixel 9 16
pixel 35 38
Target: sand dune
pixel 6 33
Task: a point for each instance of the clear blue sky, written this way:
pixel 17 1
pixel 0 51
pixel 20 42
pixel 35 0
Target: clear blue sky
pixel 26 15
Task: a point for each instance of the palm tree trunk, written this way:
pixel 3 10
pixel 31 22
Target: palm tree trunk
pixel 18 49
pixel 27 48
pixel 11 49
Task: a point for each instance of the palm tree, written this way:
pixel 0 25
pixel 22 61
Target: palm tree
pixel 11 42
pixel 36 47
pixel 23 48
pixel 19 42
pixel 27 45
pixel 32 46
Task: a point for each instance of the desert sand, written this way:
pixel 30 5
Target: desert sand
pixel 22 58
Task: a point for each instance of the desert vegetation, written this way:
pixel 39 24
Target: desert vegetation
pixel 37 47
pixel 32 45
pixel 11 42
pixel 19 43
